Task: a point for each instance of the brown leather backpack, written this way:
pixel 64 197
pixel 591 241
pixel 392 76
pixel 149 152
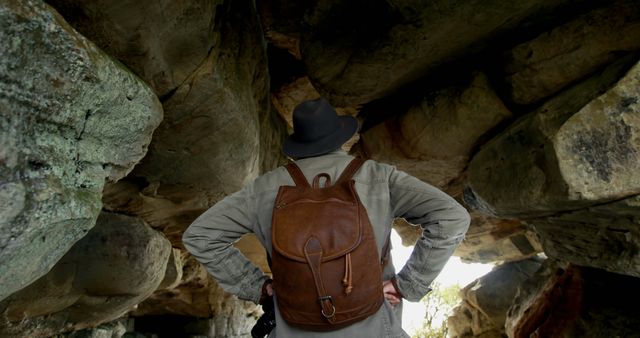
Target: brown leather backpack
pixel 326 267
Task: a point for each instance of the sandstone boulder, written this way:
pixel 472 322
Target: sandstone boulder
pixel 543 66
pixel 118 264
pixel 576 150
pixel 605 236
pixel 563 300
pixel 209 141
pixel 161 41
pixel 70 117
pixel 483 309
pixel 434 139
pixel 357 51
pixel 219 131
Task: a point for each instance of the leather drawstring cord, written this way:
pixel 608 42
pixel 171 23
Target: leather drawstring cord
pixel 347 281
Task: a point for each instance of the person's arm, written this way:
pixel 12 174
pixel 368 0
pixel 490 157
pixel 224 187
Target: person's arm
pixel 444 223
pixel 210 240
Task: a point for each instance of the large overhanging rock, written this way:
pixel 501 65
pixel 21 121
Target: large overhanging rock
pixel 563 300
pixel 357 51
pixel 210 137
pixel 605 236
pixel 120 262
pixel 219 131
pixel 161 41
pixel 69 118
pixel 434 139
pixel 577 150
pixel 551 61
pixel 483 309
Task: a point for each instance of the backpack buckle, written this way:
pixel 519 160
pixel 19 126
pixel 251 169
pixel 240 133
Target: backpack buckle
pixel 322 306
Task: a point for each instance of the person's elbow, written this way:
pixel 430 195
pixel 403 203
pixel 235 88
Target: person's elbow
pixel 189 239
pixel 463 220
pixel 458 221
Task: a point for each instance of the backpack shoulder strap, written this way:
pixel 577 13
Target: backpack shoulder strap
pixel 297 175
pixel 351 169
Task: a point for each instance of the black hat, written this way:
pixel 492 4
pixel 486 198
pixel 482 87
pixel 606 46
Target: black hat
pixel 317 129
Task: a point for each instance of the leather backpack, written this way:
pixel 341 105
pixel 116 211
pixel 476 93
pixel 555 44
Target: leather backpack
pixel 326 268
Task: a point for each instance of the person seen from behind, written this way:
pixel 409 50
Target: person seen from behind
pixel 325 222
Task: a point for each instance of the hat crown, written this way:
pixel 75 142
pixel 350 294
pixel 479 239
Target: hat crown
pixel 314 120
pixel 317 129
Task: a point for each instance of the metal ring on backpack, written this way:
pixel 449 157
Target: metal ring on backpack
pixel 332 312
pixel 322 299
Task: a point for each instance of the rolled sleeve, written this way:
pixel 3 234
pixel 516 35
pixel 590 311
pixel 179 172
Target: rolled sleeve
pixel 444 223
pixel 210 240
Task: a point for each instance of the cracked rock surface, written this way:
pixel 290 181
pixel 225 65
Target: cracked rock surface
pixel 70 118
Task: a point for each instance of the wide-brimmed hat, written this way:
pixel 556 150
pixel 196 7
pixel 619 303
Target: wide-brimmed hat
pixel 317 129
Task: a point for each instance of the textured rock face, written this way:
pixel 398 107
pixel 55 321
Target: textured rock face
pixel 552 159
pixel 548 63
pixel 219 131
pixel 69 118
pixel 163 51
pixel 605 236
pixel 482 311
pixel 563 300
pixel 434 139
pixel 600 144
pixel 117 265
pixel 357 51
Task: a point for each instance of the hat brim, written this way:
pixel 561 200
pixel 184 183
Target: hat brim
pixel 293 148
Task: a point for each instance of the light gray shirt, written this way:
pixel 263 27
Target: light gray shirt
pixel 386 193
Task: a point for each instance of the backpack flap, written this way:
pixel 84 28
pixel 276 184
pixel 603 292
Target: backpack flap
pixel 334 221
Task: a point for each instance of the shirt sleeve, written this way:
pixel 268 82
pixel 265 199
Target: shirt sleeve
pixel 444 223
pixel 210 240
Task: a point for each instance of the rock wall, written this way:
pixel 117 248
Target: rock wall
pixel 133 117
pixel 119 263
pixel 563 300
pixel 575 150
pixel 482 311
pixel 70 117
